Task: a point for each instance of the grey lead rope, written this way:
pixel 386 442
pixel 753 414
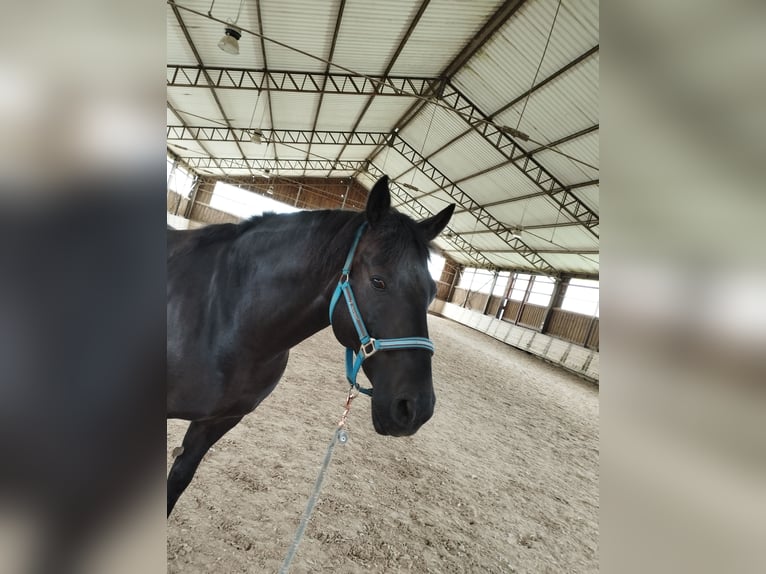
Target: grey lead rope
pixel 338 436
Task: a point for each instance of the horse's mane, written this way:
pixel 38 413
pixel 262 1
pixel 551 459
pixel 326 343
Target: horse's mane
pixel 392 236
pixel 221 232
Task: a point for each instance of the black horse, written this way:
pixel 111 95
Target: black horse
pixel 241 295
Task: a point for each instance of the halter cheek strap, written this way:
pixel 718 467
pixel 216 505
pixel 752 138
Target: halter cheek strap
pixel 368 345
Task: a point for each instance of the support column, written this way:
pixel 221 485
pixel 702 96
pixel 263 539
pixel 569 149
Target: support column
pixel 192 198
pixel 557 297
pixel 506 296
pixel 491 290
pixel 524 300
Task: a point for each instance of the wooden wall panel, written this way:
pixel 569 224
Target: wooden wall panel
pixel 570 326
pixel 532 316
pixel 511 310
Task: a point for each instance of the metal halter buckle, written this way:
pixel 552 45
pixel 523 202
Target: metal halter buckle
pixel 369 349
pixel 343 278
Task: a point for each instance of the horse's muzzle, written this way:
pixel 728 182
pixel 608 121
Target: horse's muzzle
pixel 405 415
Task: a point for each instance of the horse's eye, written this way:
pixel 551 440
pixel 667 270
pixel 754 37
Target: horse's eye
pixel 378 283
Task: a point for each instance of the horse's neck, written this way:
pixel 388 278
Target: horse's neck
pixel 293 297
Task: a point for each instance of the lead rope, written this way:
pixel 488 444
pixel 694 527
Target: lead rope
pixel 339 436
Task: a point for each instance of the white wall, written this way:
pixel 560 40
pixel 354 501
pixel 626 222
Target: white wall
pixel 574 358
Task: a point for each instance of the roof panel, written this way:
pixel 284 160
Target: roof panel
pixel 187 149
pixel 370 33
pixel 244 108
pixel 206 33
pixel 432 128
pixel 569 237
pixel 503 183
pixel 391 162
pixel 569 172
pixel 178 49
pixel 196 107
pixel 303 24
pixel 358 152
pixel 469 154
pixel 324 151
pixel 508 260
pixel 564 106
pixel 507 64
pixel 383 113
pixel 445 27
pixel 498 185
pixel 588 195
pixel 534 211
pixel 586 264
pixel 436 202
pixel 223 149
pixel 291 151
pixel 293 110
pixel 416 178
pixel 339 111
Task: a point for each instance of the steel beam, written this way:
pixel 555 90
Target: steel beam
pixel 306 82
pixel 527 227
pixel 552 251
pixel 226 134
pixel 271 164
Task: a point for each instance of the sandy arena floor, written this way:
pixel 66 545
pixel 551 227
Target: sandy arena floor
pixel 503 478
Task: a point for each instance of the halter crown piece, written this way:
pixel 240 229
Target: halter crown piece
pixel 368 345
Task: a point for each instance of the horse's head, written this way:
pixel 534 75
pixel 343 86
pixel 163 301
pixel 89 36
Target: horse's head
pixel 393 288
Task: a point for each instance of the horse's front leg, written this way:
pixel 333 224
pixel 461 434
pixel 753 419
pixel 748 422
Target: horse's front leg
pixel 200 436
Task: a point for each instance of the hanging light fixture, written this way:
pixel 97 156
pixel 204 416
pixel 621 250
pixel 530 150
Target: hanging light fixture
pixel 231 33
pixel 256 136
pixel 230 41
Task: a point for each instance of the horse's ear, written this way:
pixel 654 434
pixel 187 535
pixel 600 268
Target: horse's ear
pixel 433 226
pixel 379 201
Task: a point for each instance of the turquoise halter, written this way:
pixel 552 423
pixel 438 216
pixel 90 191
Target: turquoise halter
pixel 368 345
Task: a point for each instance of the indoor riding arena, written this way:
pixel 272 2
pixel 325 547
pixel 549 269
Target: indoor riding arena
pixel 294 107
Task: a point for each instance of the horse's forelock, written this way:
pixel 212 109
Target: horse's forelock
pixel 397 236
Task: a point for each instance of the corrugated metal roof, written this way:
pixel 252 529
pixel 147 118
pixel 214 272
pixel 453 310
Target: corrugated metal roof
pixel 435 126
pixel 340 111
pixel 443 30
pixel 245 108
pixel 178 49
pixel 196 107
pixel 304 24
pixel 382 113
pixel 293 110
pixel 500 184
pixel 566 105
pixel 466 156
pixel 584 148
pixel 589 196
pixel 494 75
pixel 534 211
pixel 506 66
pixel 370 32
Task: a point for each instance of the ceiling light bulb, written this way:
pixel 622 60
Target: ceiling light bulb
pixel 256 137
pixel 230 41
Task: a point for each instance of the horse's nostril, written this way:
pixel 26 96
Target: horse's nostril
pixel 405 412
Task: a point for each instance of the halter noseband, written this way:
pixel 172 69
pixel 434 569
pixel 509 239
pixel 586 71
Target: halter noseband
pixel 368 345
